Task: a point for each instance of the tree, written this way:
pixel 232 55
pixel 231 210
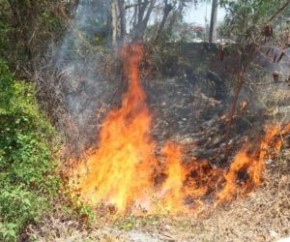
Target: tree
pixel 213 20
pixel 249 22
pixel 245 20
pixel 118 15
pixel 134 17
pixel 143 13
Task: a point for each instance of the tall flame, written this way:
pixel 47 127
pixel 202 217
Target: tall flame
pixel 172 190
pixel 121 170
pixel 121 167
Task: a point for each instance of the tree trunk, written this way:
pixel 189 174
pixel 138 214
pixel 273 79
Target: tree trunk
pixel 118 16
pixel 213 20
pixel 143 19
pixel 122 19
pixel 167 9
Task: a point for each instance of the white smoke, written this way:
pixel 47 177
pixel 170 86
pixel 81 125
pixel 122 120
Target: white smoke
pixel 80 63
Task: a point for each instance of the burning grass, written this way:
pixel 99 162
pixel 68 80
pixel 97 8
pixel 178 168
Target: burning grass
pixel 261 216
pixel 125 175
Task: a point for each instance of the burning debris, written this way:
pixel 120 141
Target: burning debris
pixel 127 171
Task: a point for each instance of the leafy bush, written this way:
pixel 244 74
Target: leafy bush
pixel 26 163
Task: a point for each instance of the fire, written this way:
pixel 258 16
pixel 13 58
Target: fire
pixel 251 165
pixel 122 170
pixel 172 190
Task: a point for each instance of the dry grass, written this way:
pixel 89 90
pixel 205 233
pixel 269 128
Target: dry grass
pixel 263 215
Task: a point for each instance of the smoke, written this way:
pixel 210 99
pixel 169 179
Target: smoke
pixel 81 65
pixel 89 80
pixel 89 23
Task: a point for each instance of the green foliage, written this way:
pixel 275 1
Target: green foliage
pixel 27 27
pixel 17 208
pixel 246 19
pixel 26 164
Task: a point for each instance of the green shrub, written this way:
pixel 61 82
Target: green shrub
pixel 27 176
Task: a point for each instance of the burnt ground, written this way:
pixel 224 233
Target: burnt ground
pixel 187 111
pixel 189 88
pixel 183 114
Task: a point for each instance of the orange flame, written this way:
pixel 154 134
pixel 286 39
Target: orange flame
pixel 251 165
pixel 121 168
pixel 121 171
pixel 172 190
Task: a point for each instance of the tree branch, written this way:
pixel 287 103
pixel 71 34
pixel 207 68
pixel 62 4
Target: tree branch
pixel 279 11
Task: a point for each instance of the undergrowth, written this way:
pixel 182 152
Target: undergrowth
pixel 27 167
